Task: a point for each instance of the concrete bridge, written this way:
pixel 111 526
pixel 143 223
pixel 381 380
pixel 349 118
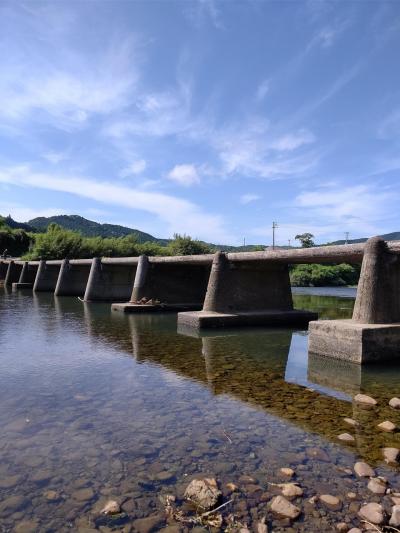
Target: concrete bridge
pixel 237 289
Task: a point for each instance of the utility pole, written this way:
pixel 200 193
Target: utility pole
pixel 347 236
pixel 244 241
pixel 274 226
pixel 289 241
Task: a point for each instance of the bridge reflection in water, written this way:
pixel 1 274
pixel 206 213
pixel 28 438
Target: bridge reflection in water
pixel 268 369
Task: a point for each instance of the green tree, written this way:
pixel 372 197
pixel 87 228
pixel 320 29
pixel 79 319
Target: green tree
pixel 185 245
pixel 306 240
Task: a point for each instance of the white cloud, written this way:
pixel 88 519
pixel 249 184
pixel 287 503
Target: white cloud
pixel 55 157
pixel 22 213
pixel 262 90
pixel 136 167
pixel 184 175
pixel 291 141
pixel 179 215
pixel 248 198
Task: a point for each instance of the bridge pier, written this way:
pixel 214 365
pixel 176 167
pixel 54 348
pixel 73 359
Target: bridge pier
pixel 13 273
pixel 110 281
pixel 167 286
pixel 244 293
pixel 27 277
pixel 73 277
pixel 47 276
pixel 3 270
pixel 373 333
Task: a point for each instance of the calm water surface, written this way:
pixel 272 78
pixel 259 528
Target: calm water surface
pixel 97 406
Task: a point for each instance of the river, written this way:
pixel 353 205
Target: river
pixel 97 405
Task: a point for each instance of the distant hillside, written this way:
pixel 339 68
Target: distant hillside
pixel 394 236
pixel 89 228
pixel 11 223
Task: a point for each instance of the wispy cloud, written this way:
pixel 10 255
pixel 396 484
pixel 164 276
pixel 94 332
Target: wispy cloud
pixel 249 197
pixel 136 167
pixel 186 175
pixel 262 90
pixel 178 214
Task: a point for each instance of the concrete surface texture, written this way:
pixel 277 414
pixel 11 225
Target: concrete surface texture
pixel 110 281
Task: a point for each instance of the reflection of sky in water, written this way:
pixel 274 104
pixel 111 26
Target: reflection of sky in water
pixel 341 292
pixel 297 368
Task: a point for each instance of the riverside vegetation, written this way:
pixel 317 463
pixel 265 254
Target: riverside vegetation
pixel 58 243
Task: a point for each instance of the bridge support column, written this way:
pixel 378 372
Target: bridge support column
pixel 167 286
pixel 27 277
pixel 373 333
pixel 3 270
pixel 47 276
pixel 109 281
pixel 13 273
pixel 73 278
pixel 246 294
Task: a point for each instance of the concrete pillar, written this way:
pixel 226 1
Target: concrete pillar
pixel 110 281
pixel 373 333
pixel 13 273
pixel 175 285
pixel 27 277
pixel 139 287
pixel 46 277
pixel 378 293
pixel 73 278
pixel 3 270
pixel 246 293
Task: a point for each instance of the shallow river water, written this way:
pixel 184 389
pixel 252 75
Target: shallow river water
pixel 97 406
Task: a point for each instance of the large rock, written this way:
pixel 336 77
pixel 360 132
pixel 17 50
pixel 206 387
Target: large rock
pixel 395 518
pixel 373 512
pixel 291 490
pixel 395 403
pixel 332 502
pixel 363 399
pixel 282 507
pixel 390 454
pixel 363 469
pixel 377 485
pixel 203 492
pixel 387 426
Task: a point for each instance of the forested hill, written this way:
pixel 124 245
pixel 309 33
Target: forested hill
pixel 394 236
pixel 89 228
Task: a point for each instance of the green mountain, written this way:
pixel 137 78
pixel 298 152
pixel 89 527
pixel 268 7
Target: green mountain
pixel 394 236
pixel 89 228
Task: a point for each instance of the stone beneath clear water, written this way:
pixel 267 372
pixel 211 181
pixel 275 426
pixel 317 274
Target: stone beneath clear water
pixel 288 472
pixel 373 512
pixel 332 502
pixel 363 470
pixel 390 454
pixel 282 507
pixel 387 426
pixel 363 399
pixel 291 490
pixel 377 485
pixel 395 517
pixel 395 403
pixel 111 507
pixel 346 437
pixel 203 492
pixel 351 422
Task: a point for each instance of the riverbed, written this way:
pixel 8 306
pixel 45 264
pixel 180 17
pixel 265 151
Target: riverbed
pixel 98 406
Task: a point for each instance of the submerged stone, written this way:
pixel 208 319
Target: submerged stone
pixel 395 517
pixel 203 492
pixel 387 425
pixel 390 454
pixel 373 512
pixel 363 470
pixel 332 502
pixel 111 507
pixel 363 399
pixel 291 490
pixel 377 485
pixel 282 507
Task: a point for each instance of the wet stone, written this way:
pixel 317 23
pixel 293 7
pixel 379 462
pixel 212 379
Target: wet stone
pixel 346 437
pixel 395 516
pixel 364 399
pixel 291 490
pixel 373 512
pixel 387 426
pixel 282 507
pixel 287 472
pixel 9 481
pixel 331 502
pixel 390 454
pixel 83 495
pixel 395 403
pixel 12 504
pixel 27 526
pixel 363 469
pixel 203 492
pixel 149 524
pixel 377 485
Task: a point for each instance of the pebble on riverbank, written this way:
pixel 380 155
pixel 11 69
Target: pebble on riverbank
pixel 363 470
pixel 346 437
pixel 387 426
pixel 363 399
pixel 395 403
pixel 390 454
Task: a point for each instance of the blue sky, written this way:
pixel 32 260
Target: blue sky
pixel 210 118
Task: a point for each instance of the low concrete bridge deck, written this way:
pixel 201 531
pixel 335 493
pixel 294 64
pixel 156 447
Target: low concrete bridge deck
pixel 236 289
